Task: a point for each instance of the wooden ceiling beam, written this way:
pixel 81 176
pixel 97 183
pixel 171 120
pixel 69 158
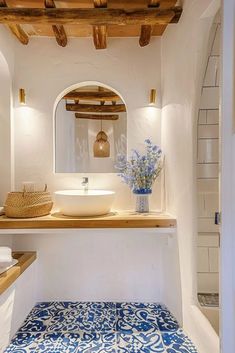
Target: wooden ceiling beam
pixel 93 96
pixel 95 108
pixel 97 116
pixel 100 36
pixel 100 32
pixel 58 30
pixel 16 28
pixel 146 30
pixel 93 17
pixel 100 3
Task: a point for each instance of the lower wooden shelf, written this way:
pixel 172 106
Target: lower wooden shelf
pixel 25 259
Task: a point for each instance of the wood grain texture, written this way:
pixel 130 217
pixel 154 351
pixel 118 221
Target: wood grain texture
pixel 129 4
pixel 145 35
pixel 100 32
pixel 87 30
pixel 16 29
pixel 100 3
pixel 93 96
pixel 112 220
pixel 58 30
pixel 100 36
pixel 94 17
pixel 25 259
pixel 97 116
pixel 95 108
pixel 146 30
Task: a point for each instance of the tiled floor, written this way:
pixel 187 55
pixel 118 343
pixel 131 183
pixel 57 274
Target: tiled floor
pixel 79 327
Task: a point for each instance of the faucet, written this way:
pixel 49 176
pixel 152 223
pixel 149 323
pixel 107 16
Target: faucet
pixel 85 182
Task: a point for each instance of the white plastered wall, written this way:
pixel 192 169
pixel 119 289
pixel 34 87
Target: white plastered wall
pixel 45 70
pixel 6 126
pixel 227 279
pixel 184 49
pixel 208 166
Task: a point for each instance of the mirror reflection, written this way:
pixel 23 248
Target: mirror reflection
pixel 90 130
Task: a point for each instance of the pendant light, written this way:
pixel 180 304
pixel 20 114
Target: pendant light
pixel 101 147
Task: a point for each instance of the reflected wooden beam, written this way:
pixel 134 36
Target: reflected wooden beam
pixel 146 30
pixel 97 116
pixel 92 108
pixel 92 95
pixel 16 29
pixel 100 32
pixel 93 17
pixel 58 30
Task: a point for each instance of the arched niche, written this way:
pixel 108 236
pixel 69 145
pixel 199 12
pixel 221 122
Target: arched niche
pixel 82 111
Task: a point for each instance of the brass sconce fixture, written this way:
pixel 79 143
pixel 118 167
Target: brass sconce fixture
pixel 22 99
pixel 153 95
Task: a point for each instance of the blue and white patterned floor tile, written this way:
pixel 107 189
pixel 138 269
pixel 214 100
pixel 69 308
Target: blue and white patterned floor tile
pixel 85 327
pixel 140 342
pixel 177 342
pixel 138 320
pixel 69 318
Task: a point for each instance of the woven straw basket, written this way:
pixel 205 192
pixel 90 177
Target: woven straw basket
pixel 28 204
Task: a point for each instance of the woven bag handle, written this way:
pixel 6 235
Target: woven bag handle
pixel 24 190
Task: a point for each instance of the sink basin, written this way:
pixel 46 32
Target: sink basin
pixel 84 203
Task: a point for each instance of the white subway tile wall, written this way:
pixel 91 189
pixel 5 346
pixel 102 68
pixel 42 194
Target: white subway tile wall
pixel 208 169
pixel 210 98
pixel 208 282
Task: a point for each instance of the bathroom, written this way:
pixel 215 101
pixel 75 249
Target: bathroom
pixel 177 92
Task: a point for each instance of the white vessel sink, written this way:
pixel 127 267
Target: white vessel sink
pixel 84 202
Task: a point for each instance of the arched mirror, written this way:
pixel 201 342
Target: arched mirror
pixel 90 130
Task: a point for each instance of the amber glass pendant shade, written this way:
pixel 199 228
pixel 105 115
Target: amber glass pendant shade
pixel 101 147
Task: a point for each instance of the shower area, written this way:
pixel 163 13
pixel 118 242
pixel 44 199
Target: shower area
pixel 208 174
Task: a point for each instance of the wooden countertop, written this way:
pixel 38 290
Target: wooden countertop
pixel 112 220
pixel 25 259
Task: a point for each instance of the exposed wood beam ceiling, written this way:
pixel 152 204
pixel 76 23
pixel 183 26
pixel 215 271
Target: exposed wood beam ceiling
pixel 100 32
pixel 91 17
pixel 16 28
pixel 58 30
pixel 97 116
pixel 99 19
pixel 95 108
pixel 146 30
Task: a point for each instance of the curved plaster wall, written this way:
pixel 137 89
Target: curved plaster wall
pixel 208 167
pixel 5 129
pixel 184 49
pixel 6 69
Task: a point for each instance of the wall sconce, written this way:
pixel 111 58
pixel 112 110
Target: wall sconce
pixel 22 99
pixel 153 95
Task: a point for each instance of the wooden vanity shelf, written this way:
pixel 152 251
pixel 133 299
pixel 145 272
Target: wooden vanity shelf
pixel 112 220
pixel 25 259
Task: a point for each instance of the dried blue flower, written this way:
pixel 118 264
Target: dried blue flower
pixel 140 172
